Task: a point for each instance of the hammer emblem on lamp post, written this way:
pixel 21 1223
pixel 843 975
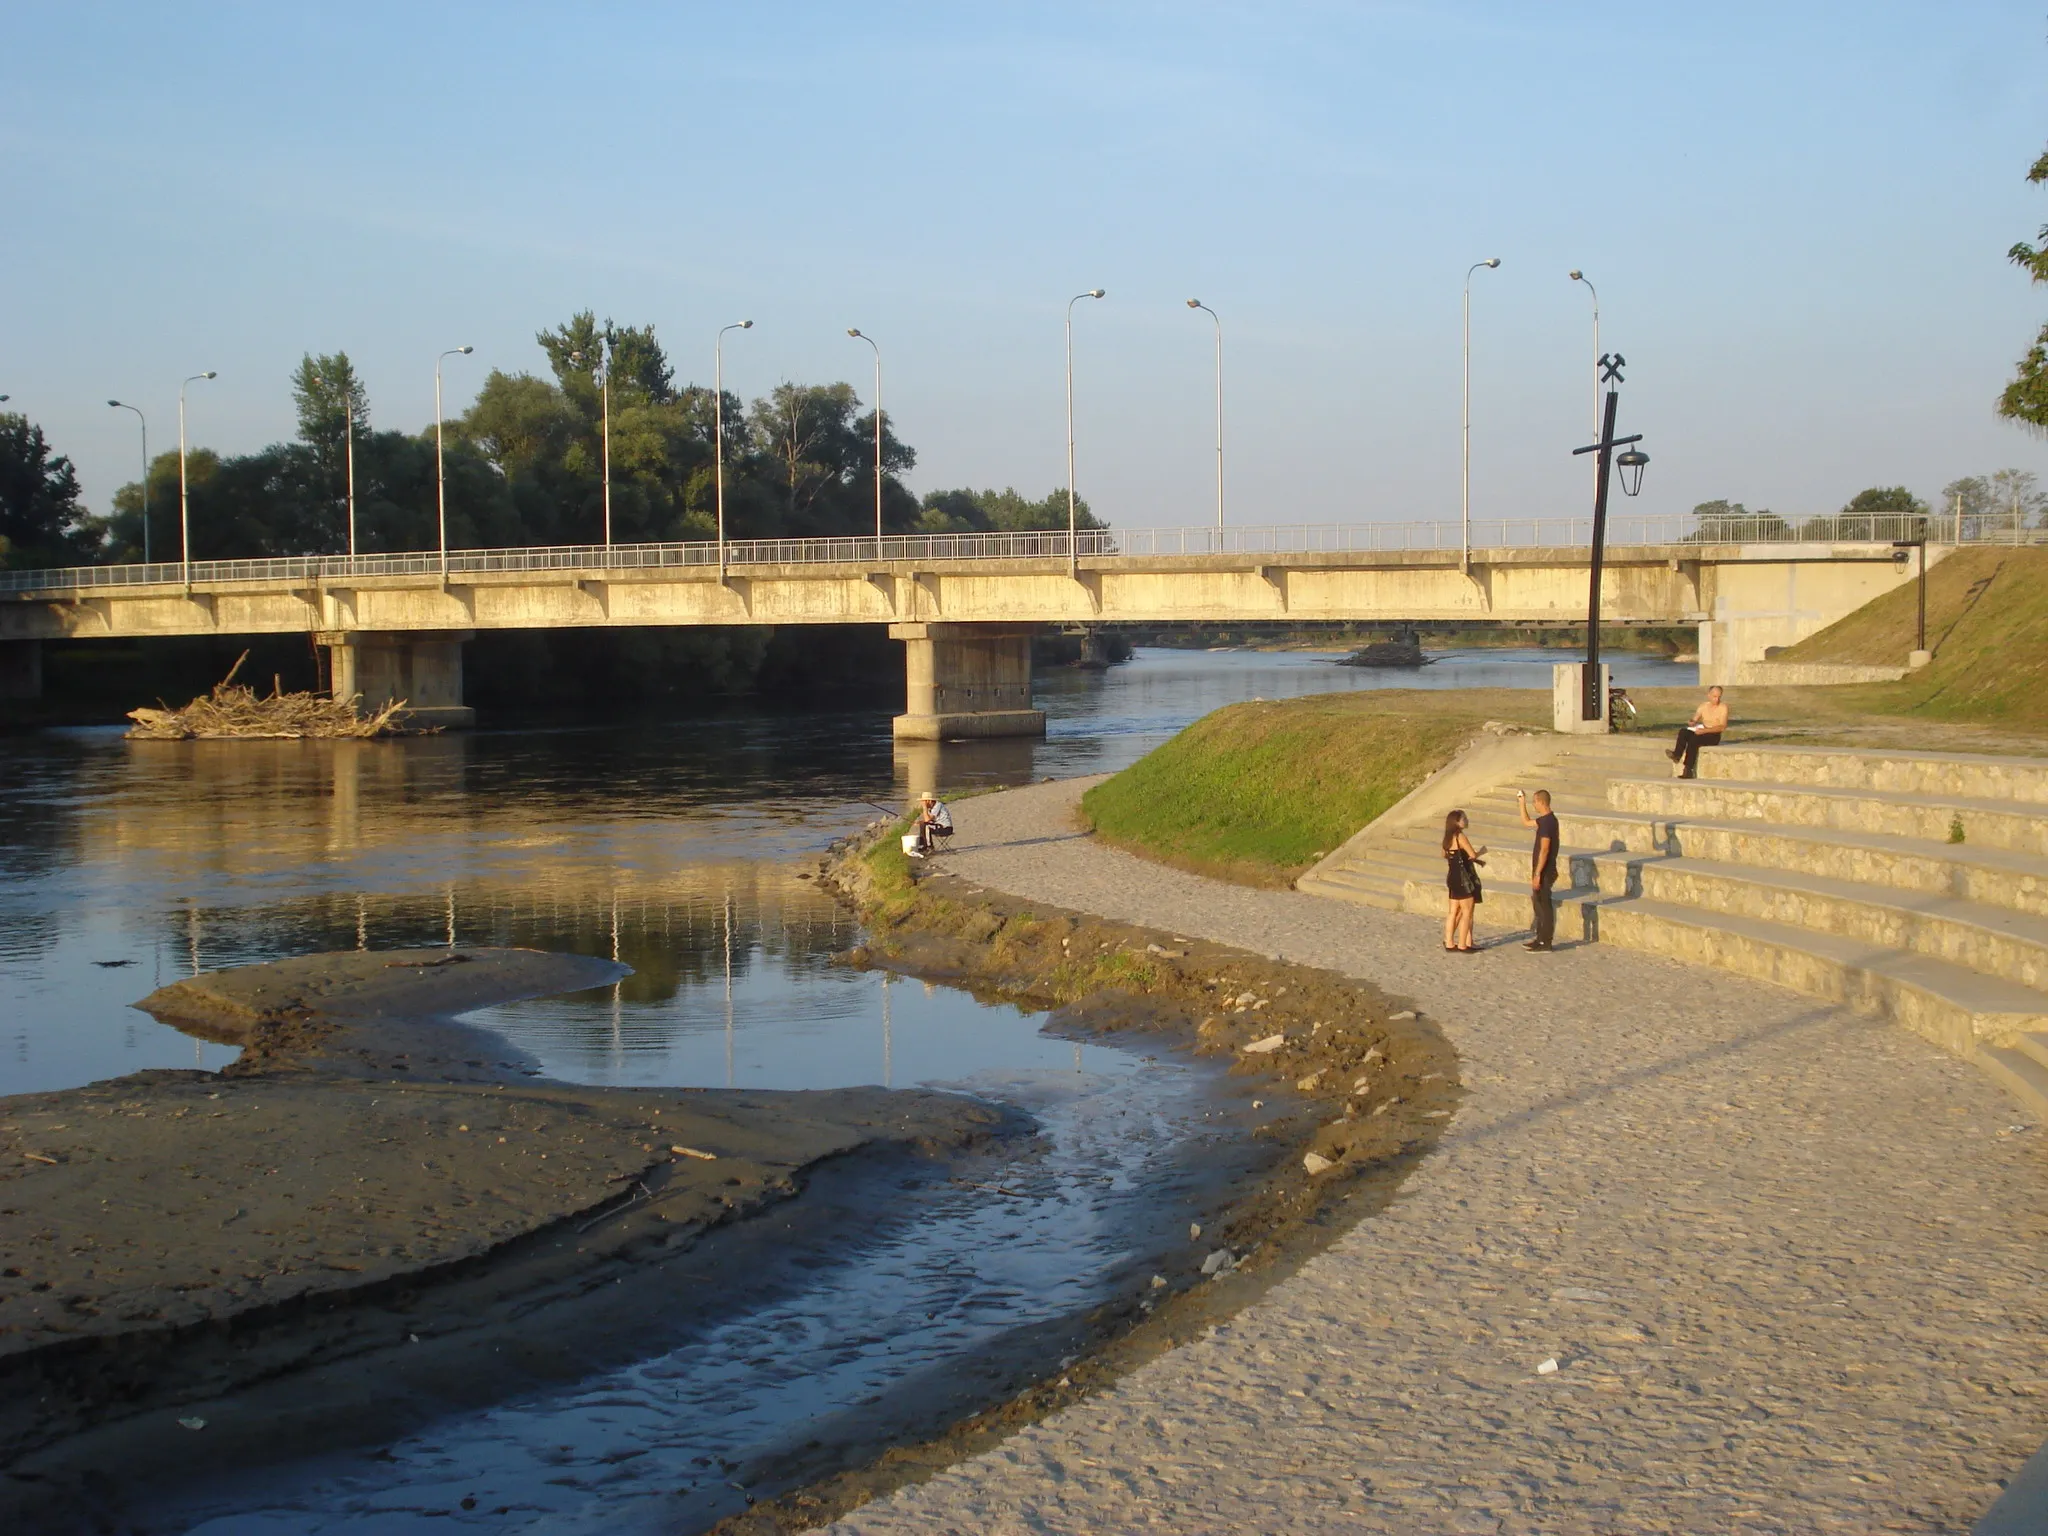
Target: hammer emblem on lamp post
pixel 1593 706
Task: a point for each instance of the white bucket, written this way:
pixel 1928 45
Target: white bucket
pixel 910 842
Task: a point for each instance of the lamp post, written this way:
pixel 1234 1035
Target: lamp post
pixel 1579 277
pixel 184 502
pixel 718 428
pixel 1919 542
pixel 859 335
pixel 120 405
pixel 1592 706
pixel 1073 548
pixel 440 468
pixel 1198 304
pixel 1465 481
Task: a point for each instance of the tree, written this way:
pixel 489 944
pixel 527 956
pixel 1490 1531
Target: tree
pixel 327 390
pixel 2016 500
pixel 823 453
pixel 1881 512
pixel 1730 522
pixel 41 521
pixel 1004 511
pixel 2025 399
pixel 1967 503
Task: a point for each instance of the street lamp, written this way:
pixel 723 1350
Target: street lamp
pixel 718 428
pixel 122 406
pixel 184 503
pixel 440 468
pixel 1198 304
pixel 1592 700
pixel 1579 277
pixel 1465 502
pixel 1073 549
pixel 603 371
pixel 859 335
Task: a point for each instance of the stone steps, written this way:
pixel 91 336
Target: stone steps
pixel 1998 877
pixel 1990 940
pixel 2021 1068
pixel 1990 823
pixel 1825 870
pixel 1955 1007
pixel 1974 776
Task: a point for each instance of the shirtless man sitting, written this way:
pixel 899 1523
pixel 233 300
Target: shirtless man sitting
pixel 1703 730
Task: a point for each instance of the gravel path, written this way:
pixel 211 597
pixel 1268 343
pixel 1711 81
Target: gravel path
pixel 1787 1260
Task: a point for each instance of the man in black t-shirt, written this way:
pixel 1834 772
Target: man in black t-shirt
pixel 1542 866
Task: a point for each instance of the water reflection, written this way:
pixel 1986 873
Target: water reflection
pixel 124 864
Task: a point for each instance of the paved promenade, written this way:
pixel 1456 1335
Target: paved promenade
pixel 1789 1261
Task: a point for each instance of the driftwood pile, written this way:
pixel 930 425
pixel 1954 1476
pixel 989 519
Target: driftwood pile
pixel 234 710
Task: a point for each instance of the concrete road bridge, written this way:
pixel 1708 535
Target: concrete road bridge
pixel 967 604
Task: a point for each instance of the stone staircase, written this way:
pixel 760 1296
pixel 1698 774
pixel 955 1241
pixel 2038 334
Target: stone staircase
pixel 1908 883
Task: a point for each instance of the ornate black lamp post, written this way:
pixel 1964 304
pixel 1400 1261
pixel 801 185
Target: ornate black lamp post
pixel 1592 705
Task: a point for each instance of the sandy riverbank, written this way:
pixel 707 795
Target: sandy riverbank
pixel 371 1194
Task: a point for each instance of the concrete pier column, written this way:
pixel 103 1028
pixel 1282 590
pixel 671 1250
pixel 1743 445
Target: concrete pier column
pixel 967 681
pixel 424 669
pixel 21 669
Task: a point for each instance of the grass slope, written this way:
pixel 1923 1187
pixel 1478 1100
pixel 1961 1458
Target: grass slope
pixel 1987 624
pixel 1257 792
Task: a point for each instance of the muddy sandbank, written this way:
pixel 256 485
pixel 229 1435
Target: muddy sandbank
pixel 371 1175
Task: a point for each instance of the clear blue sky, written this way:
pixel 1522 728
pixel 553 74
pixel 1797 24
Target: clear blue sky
pixel 1796 215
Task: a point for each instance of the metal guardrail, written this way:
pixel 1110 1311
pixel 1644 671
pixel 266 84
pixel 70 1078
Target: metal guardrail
pixel 918 549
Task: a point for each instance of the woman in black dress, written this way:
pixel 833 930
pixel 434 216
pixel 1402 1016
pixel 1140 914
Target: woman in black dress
pixel 1461 880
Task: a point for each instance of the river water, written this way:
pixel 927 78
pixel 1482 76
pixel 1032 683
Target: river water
pixel 676 848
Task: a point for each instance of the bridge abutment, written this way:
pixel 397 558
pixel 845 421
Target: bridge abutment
pixel 423 669
pixel 21 669
pixel 967 681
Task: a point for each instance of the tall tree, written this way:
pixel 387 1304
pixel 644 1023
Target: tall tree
pixel 41 520
pixel 327 391
pixel 2026 397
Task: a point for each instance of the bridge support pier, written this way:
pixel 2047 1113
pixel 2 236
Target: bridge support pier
pixel 967 681
pixel 423 669
pixel 21 669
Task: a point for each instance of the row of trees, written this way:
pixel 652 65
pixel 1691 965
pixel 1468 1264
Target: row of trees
pixel 1987 506
pixel 524 466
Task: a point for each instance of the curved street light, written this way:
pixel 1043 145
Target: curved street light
pixel 1073 549
pixel 1198 304
pixel 718 428
pixel 1579 277
pixel 184 503
pixel 440 469
pixel 859 335
pixel 121 405
pixel 1465 480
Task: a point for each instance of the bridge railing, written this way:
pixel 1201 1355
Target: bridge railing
pixel 1537 533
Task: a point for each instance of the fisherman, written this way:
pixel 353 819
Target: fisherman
pixel 934 821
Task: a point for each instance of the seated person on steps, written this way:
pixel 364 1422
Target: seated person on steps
pixel 1703 730
pixel 934 821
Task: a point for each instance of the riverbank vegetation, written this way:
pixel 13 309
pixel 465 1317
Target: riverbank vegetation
pixel 524 463
pixel 1258 792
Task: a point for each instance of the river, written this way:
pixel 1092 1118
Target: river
pixel 678 848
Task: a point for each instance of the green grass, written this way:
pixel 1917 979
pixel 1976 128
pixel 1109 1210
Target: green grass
pixel 1987 624
pixel 1258 792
